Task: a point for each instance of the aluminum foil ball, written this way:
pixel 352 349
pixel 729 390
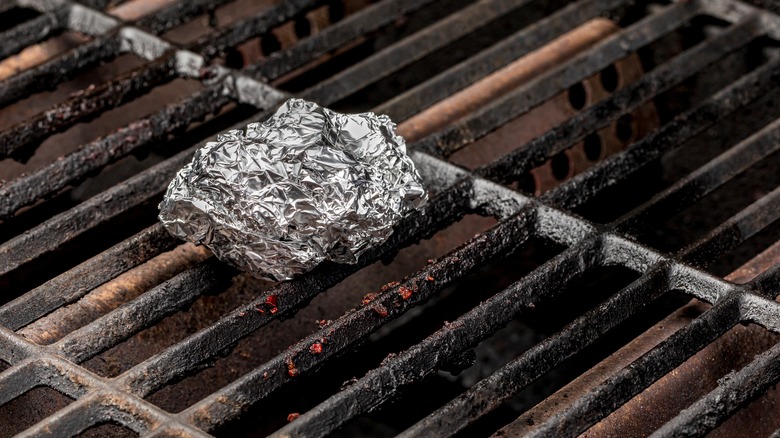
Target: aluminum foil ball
pixel 307 185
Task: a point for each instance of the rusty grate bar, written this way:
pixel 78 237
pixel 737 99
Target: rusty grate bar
pixel 706 179
pixel 75 283
pixel 76 166
pixel 458 193
pixel 177 14
pixel 211 46
pixel 60 69
pixel 33 31
pixel 736 390
pixel 746 89
pixel 491 59
pixel 408 50
pixel 361 23
pixel 83 106
pixel 512 378
pixel 521 160
pixel 545 86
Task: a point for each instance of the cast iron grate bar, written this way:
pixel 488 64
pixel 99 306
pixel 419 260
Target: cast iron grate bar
pixel 736 390
pixel 48 180
pixel 211 46
pixel 490 392
pixel 21 250
pixel 77 282
pixel 177 14
pixel 749 87
pixel 647 369
pixel 118 399
pixel 705 179
pixel 345 31
pixel 92 101
pixel 31 32
pixel 545 86
pixel 411 49
pixel 491 59
pixel 662 78
pixel 59 69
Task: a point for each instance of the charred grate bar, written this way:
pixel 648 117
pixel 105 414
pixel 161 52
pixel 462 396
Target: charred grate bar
pixel 457 193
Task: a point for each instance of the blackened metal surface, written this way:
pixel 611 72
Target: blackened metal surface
pixel 32 31
pixel 333 37
pixel 59 69
pixel 455 193
pixel 93 101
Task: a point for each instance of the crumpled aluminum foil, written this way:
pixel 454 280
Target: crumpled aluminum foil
pixel 307 185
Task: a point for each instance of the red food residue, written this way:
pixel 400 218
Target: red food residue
pixel 291 370
pixel 269 304
pixel 293 416
pixel 316 348
pixel 389 285
pixel 367 298
pixel 405 292
pixel 380 310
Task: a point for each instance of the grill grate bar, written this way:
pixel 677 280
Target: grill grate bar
pixel 84 105
pixel 734 391
pixel 211 46
pixel 97 400
pixel 151 307
pixel 161 368
pixel 613 169
pixel 397 372
pixel 653 365
pixel 548 85
pixel 599 115
pixel 706 179
pixel 356 326
pixel 60 69
pixel 487 61
pixel 77 282
pixel 93 156
pixel 360 23
pixel 736 229
pixel 423 358
pixel 590 246
pixel 490 392
pixel 177 14
pixel 411 49
pixel 31 32
pixel 97 210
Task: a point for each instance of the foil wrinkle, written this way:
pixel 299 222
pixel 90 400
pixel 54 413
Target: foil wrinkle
pixel 307 185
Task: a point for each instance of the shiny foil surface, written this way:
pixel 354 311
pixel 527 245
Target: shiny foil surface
pixel 307 185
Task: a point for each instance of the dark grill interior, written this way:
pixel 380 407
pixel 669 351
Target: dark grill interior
pixel 599 255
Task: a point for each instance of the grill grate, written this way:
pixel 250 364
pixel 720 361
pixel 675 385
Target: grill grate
pixel 457 193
